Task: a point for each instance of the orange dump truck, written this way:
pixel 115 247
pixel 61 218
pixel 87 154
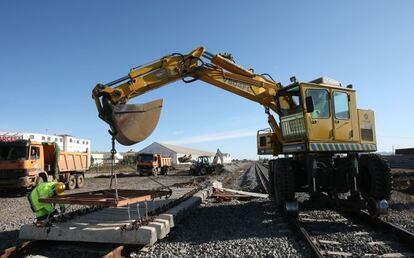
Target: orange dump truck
pixel 24 164
pixel 148 163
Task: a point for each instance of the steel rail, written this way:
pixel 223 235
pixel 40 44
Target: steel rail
pixel 300 230
pixel 263 179
pixel 402 234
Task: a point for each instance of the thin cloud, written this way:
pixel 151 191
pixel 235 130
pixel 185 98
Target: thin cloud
pixel 178 132
pixel 212 137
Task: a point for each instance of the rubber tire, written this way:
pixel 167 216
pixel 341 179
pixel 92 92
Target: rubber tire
pixel 71 184
pixel 201 171
pixel 80 181
pixel 375 179
pixel 284 181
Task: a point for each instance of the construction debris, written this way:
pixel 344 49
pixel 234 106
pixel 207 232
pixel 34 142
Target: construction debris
pixel 225 194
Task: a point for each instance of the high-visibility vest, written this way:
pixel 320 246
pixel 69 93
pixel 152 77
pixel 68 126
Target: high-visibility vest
pixel 43 190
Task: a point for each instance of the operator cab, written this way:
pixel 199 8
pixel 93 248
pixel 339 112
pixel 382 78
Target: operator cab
pixel 321 115
pixel 203 160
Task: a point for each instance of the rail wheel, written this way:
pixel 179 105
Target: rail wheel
pixel 71 184
pixel 284 185
pixel 375 180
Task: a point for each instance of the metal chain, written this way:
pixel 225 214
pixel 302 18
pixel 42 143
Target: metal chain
pixel 113 172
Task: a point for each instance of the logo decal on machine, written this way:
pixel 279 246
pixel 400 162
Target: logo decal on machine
pixel 240 85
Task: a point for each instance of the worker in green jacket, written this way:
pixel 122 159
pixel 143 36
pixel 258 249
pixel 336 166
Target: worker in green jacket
pixel 45 190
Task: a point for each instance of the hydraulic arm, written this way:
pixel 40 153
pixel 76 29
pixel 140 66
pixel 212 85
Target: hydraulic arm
pixel 133 123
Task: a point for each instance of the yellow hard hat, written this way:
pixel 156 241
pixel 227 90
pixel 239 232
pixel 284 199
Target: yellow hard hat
pixel 59 188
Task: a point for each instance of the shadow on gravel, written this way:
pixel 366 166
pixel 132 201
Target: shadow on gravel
pixel 402 206
pixel 254 219
pixel 8 239
pixel 408 190
pixel 14 193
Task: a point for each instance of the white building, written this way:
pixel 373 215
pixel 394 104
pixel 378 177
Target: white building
pixel 97 159
pixel 100 158
pixel 65 142
pixel 175 152
pixel 226 158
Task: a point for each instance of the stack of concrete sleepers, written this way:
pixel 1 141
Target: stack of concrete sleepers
pixel 112 225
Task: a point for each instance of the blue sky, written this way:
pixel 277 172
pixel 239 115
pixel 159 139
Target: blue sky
pixel 52 53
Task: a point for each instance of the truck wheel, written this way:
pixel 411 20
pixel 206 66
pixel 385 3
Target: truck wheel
pixel 39 180
pixel 375 179
pixel 80 181
pixel 71 184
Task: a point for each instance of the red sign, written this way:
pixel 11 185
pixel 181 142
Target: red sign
pixel 10 138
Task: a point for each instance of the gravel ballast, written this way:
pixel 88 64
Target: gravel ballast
pixel 232 229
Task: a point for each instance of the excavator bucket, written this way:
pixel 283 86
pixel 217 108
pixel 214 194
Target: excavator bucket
pixel 133 123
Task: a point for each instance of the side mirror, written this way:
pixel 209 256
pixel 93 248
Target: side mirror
pixel 309 104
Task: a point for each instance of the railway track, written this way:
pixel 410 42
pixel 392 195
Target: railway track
pixel 362 235
pixel 263 175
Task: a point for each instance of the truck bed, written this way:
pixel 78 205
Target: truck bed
pixel 73 161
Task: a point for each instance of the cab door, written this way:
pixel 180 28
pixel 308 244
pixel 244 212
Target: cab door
pixel 342 116
pixel 319 122
pixel 35 157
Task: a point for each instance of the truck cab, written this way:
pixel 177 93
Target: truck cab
pixel 152 164
pixel 21 164
pixel 25 163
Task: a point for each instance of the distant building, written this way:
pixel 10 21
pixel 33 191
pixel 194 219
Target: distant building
pixel 175 152
pixel 226 158
pixel 97 159
pixel 67 143
pixel 105 157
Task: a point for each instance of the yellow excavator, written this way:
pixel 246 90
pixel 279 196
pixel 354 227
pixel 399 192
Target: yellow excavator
pixel 322 142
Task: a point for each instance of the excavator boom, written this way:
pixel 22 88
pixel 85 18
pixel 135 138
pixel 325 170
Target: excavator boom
pixel 132 123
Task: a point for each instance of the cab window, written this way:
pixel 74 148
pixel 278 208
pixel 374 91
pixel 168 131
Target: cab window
pixel 262 141
pixel 290 102
pixel 341 105
pixel 320 98
pixel 34 153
